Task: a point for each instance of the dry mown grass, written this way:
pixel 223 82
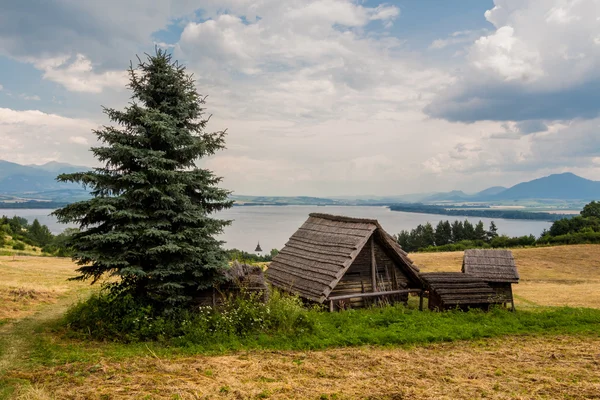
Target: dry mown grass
pixel 26 282
pixel 501 368
pixel 508 368
pixel 550 276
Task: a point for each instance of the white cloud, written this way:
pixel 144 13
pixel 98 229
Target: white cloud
pixel 77 74
pixel 78 140
pixel 304 60
pixel 541 62
pixel 1 88
pixel 506 56
pixel 553 38
pixel 319 96
pixel 33 136
pixel 457 38
pixel 572 146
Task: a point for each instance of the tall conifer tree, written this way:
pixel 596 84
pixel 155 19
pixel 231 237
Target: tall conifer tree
pixel 148 221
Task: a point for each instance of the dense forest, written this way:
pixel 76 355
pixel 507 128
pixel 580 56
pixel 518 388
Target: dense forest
pixel 480 212
pixel 461 235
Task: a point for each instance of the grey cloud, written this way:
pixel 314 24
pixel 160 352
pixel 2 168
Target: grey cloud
pixel 509 102
pixel 104 29
pixel 532 126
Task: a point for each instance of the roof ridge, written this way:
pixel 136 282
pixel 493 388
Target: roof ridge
pixel 342 218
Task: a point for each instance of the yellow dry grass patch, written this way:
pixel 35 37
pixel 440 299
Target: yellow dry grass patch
pixel 9 251
pixel 26 282
pixel 508 368
pixel 550 276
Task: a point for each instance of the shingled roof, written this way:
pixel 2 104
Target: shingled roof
pixel 457 289
pixel 491 265
pixel 319 253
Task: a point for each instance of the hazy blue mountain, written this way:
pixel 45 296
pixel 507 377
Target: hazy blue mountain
pixel 492 191
pixel 59 168
pixel 8 169
pixel 455 195
pixel 370 199
pixel 565 186
pixel 38 181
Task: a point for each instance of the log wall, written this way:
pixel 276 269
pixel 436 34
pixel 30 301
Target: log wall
pixel 503 292
pixel 358 278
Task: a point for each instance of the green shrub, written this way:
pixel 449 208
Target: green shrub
pixel 112 317
pixel 19 246
pixel 118 318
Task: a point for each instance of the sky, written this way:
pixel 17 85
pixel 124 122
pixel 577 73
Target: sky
pixel 323 97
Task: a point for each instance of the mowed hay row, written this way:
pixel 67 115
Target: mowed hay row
pixel 550 276
pixel 507 368
pixel 26 282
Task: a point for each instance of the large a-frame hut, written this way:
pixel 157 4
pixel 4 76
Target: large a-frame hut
pixel 344 262
pixel 496 267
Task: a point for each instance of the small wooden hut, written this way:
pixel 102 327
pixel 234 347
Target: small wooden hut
pixel 496 267
pixel 449 290
pixel 344 262
pixel 236 280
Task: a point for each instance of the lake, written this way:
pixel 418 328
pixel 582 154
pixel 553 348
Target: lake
pixel 273 225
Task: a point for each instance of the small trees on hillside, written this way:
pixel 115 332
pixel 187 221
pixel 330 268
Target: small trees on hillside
pixel 591 210
pixel 444 233
pixel 148 221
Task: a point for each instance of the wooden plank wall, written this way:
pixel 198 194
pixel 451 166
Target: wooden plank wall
pixel 503 291
pixel 358 278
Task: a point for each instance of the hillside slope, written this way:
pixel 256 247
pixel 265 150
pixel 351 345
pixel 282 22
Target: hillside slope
pixel 565 186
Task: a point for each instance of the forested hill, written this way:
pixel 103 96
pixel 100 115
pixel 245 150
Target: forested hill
pixel 477 212
pixel 38 182
pixel 559 186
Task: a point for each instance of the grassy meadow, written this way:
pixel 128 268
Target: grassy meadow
pixel 541 351
pixel 550 276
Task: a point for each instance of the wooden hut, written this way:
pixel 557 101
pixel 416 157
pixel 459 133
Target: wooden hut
pixel 238 279
pixel 344 262
pixel 449 290
pixel 496 267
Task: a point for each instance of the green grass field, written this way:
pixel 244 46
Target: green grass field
pixel 539 352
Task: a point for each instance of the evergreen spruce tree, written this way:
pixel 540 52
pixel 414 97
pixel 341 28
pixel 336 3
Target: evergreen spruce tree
pixel 468 230
pixel 443 233
pixel 403 239
pixel 480 233
pixel 40 234
pixel 457 231
pixel 428 235
pixel 492 232
pixel 148 219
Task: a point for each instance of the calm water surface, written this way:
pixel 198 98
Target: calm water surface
pixel 273 225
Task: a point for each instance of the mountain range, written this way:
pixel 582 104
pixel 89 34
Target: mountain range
pixel 38 182
pixel 565 186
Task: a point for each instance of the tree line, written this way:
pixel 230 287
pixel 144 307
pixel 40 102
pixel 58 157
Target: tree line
pixel 462 235
pixel 482 212
pixel 583 228
pixel 35 234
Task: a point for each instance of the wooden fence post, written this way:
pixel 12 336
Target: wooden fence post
pixel 373 266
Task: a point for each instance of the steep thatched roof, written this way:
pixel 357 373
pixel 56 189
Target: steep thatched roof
pixel 245 275
pixel 238 279
pixel 491 265
pixel 458 289
pixel 320 252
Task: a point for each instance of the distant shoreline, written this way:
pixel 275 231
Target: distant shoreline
pixel 480 213
pixel 32 205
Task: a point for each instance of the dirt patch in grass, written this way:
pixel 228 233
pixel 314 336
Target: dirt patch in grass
pixel 550 276
pixel 28 282
pixel 508 368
